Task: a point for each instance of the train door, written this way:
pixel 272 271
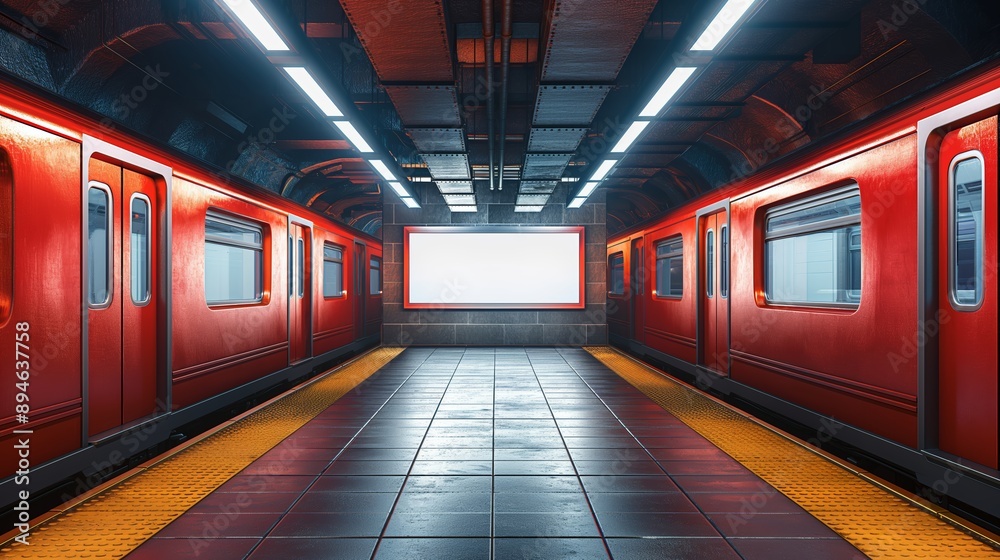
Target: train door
pixel 637 283
pixel 300 292
pixel 360 288
pixel 373 307
pixel 967 293
pixel 122 299
pixel 713 292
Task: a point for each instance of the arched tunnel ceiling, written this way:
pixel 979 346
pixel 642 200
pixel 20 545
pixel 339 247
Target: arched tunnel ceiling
pixel 181 73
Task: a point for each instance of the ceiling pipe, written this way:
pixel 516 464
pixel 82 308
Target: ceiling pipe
pixel 506 32
pixel 488 34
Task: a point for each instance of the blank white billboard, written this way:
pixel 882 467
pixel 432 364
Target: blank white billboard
pixel 493 268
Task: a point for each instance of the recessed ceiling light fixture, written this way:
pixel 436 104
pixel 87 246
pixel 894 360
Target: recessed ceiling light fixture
pixel 354 136
pixel 673 84
pixel 725 21
pixel 313 90
pixel 630 136
pixel 255 22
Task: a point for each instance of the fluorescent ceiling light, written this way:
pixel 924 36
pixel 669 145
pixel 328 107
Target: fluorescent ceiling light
pixel 410 203
pixel 255 22
pixel 463 209
pixel 382 169
pixel 629 137
pixel 604 169
pixel 398 187
pixel 460 199
pixel 354 136
pixel 588 189
pixel 528 208
pixel 311 87
pixel 420 179
pixel 724 22
pixel 674 82
pixel 570 179
pixel 577 202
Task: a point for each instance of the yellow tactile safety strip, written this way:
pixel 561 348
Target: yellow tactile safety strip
pixel 118 519
pixel 878 520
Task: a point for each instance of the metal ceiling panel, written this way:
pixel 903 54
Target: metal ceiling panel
pixel 437 140
pixel 406 41
pixel 455 187
pixel 571 105
pixel 545 166
pixel 426 105
pixel 538 187
pixel 448 166
pixel 589 41
pixel 555 139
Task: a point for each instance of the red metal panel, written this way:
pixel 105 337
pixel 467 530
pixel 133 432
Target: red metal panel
pixel 670 322
pixel 45 278
pixel 638 286
pixel 967 381
pixel 619 307
pixel 300 303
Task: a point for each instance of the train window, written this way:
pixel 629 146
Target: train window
pixel 6 237
pixel 966 231
pixel 99 245
pixel 139 249
pixel 375 280
pixel 724 261
pixel 333 271
pixel 616 268
pixel 234 261
pixel 670 268
pixel 813 251
pixel 300 255
pixel 710 263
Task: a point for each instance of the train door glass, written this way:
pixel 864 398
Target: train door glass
pixel 122 339
pixel 300 293
pixel 968 388
pixel 637 283
pixel 360 288
pixel 713 267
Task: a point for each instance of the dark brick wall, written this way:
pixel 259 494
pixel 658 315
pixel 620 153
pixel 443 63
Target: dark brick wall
pixel 487 327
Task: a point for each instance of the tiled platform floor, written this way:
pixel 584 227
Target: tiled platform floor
pixel 500 453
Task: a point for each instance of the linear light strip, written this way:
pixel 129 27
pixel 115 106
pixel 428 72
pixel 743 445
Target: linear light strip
pixel 725 21
pixel 313 90
pixel 254 21
pixel 354 136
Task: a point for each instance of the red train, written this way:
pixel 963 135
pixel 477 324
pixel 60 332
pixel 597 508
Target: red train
pixel 851 288
pixel 139 293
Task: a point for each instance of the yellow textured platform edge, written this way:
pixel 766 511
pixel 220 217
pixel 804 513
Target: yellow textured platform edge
pixel 117 517
pixel 880 520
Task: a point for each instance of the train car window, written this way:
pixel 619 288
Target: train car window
pixel 301 256
pixel 724 262
pixel 333 271
pixel 966 231
pixel 234 261
pixel 139 249
pixel 813 251
pixel 99 245
pixel 670 268
pixel 6 237
pixel 375 280
pixel 710 263
pixel 616 268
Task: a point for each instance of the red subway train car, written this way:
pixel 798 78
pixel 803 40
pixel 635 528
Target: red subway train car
pixel 850 288
pixel 140 292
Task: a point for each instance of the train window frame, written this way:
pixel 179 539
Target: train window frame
pixel 676 254
pixel 332 260
pixel 724 261
pixel 374 263
pixel 109 244
pixel 6 237
pixel 259 261
pixel 620 255
pixel 710 263
pixel 850 224
pixel 148 265
pixel 953 234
